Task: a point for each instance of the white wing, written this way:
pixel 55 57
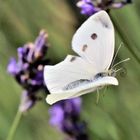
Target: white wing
pixel 73 68
pixel 80 90
pixel 94 41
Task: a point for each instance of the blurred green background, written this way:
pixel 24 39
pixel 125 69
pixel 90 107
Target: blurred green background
pixel 116 117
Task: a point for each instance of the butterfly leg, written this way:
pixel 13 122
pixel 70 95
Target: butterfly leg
pixel 97 97
pixel 105 89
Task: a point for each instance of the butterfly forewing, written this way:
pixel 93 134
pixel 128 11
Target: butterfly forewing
pixel 94 41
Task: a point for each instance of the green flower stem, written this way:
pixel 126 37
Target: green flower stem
pixel 14 126
pixel 124 37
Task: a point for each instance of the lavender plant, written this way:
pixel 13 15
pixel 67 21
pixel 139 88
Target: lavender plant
pixel 28 69
pixel 65 115
pixel 28 72
pixel 89 7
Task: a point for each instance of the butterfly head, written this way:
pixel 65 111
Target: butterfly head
pixel 111 72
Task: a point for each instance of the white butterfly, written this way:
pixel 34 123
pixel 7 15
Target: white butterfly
pixel 78 75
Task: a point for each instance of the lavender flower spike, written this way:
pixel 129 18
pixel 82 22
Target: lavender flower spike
pixel 12 67
pixel 28 69
pixel 65 115
pixel 57 115
pixel 26 101
pixel 39 43
pixel 89 7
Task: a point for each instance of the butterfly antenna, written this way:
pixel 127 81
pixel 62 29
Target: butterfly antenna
pixel 97 97
pixel 118 70
pixel 127 59
pixel 116 54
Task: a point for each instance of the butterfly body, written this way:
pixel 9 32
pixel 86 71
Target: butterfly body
pixel 78 75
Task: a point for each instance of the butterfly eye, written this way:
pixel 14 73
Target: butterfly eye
pixel 94 36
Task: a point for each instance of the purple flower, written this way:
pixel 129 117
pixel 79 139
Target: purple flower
pixel 12 67
pixel 65 115
pixel 38 79
pixel 39 44
pixel 57 115
pixel 21 51
pixel 89 7
pixel 26 102
pixel 28 69
pixel 73 106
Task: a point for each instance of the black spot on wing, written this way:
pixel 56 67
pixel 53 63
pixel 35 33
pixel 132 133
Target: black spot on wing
pixel 94 36
pixel 104 21
pixel 84 47
pixel 72 59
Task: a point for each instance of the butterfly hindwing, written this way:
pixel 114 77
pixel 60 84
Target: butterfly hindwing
pixel 81 90
pixel 71 69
